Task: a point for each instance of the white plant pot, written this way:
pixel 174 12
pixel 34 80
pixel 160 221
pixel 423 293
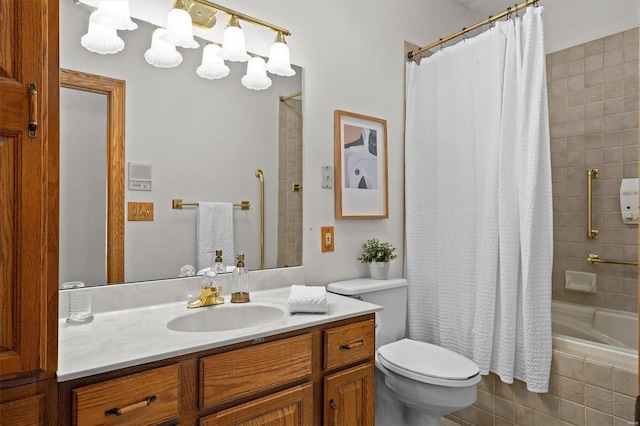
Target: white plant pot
pixel 379 270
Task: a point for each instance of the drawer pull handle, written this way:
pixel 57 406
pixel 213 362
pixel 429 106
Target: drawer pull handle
pixel 349 346
pixel 115 411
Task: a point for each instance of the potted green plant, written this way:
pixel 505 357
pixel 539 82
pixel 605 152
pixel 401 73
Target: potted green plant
pixel 378 255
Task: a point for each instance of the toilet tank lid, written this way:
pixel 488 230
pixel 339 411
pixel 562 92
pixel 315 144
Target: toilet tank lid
pixel 364 285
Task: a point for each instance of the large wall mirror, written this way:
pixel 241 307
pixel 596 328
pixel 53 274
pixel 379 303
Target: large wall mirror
pixel 204 141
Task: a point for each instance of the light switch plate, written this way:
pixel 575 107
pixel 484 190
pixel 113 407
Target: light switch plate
pixel 140 211
pixel 326 239
pixel 327 177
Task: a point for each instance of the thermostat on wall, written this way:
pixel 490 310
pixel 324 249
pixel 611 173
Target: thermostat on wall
pixel 139 177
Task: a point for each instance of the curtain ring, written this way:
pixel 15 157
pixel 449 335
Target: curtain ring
pixel 464 34
pixel 491 23
pixel 516 10
pixel 441 45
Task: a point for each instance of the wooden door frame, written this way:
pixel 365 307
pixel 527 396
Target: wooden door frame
pixel 115 91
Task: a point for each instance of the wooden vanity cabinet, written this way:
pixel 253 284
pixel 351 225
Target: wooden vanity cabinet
pixel 278 380
pixel 28 211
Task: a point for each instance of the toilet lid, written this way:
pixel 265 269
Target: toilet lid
pixel 423 361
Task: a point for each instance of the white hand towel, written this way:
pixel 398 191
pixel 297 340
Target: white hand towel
pixel 312 299
pixel 215 232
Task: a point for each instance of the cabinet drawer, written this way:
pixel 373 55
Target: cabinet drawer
pixel 291 407
pixel 137 399
pixel 348 344
pixel 239 373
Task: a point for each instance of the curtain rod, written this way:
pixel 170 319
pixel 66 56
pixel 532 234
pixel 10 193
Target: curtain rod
pixel 465 30
pixel 291 96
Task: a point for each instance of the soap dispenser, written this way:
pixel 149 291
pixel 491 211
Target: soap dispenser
pixel 240 282
pixel 218 265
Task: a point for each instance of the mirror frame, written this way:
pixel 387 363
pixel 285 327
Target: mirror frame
pixel 115 91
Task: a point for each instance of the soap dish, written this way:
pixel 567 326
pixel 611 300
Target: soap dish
pixel 584 282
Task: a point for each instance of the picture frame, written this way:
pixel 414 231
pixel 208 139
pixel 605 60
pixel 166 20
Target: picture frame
pixel 360 160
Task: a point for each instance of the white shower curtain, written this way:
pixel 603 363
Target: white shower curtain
pixel 479 242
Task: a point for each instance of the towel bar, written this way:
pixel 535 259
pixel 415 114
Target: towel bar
pixel 594 259
pixel 177 203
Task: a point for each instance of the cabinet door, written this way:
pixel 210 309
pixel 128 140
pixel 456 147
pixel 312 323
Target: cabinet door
pixel 291 407
pixel 349 397
pixel 23 412
pixel 23 96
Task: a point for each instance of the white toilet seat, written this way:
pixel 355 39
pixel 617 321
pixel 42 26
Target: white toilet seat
pixel 428 363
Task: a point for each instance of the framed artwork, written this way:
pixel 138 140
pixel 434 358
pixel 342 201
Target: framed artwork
pixel 360 150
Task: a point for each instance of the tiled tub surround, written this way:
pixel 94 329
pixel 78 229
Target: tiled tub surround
pixel 584 390
pixel 593 103
pixel 591 384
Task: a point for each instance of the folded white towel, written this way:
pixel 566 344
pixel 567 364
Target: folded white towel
pixel 312 299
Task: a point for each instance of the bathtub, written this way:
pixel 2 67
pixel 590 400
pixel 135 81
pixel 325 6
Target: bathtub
pixel 600 332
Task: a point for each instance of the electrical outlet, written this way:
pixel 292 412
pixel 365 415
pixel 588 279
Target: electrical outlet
pixel 326 239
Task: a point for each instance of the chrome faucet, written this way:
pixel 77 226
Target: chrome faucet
pixel 208 296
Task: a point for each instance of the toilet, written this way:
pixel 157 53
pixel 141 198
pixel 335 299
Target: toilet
pixel 416 382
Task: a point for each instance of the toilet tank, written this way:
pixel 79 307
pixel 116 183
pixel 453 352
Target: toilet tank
pixel 391 294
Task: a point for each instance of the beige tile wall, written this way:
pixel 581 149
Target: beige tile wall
pixel 583 391
pixel 290 171
pixel 593 103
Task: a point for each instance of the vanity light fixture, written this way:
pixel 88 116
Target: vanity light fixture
pixel 185 15
pixel 101 39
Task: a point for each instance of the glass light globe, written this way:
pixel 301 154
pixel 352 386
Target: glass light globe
pixel 179 31
pixel 101 39
pixel 162 54
pixel 212 66
pixel 233 45
pixel 279 62
pixel 256 77
pixel 114 14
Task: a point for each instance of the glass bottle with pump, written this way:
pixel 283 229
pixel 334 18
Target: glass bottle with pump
pixel 240 282
pixel 218 265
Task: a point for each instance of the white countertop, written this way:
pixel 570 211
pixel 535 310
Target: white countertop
pixel 124 338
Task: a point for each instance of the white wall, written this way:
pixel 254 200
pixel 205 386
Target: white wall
pixel 352 53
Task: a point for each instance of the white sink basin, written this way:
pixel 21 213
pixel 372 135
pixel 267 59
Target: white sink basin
pixel 227 317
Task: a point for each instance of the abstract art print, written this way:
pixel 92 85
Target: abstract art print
pixel 360 166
